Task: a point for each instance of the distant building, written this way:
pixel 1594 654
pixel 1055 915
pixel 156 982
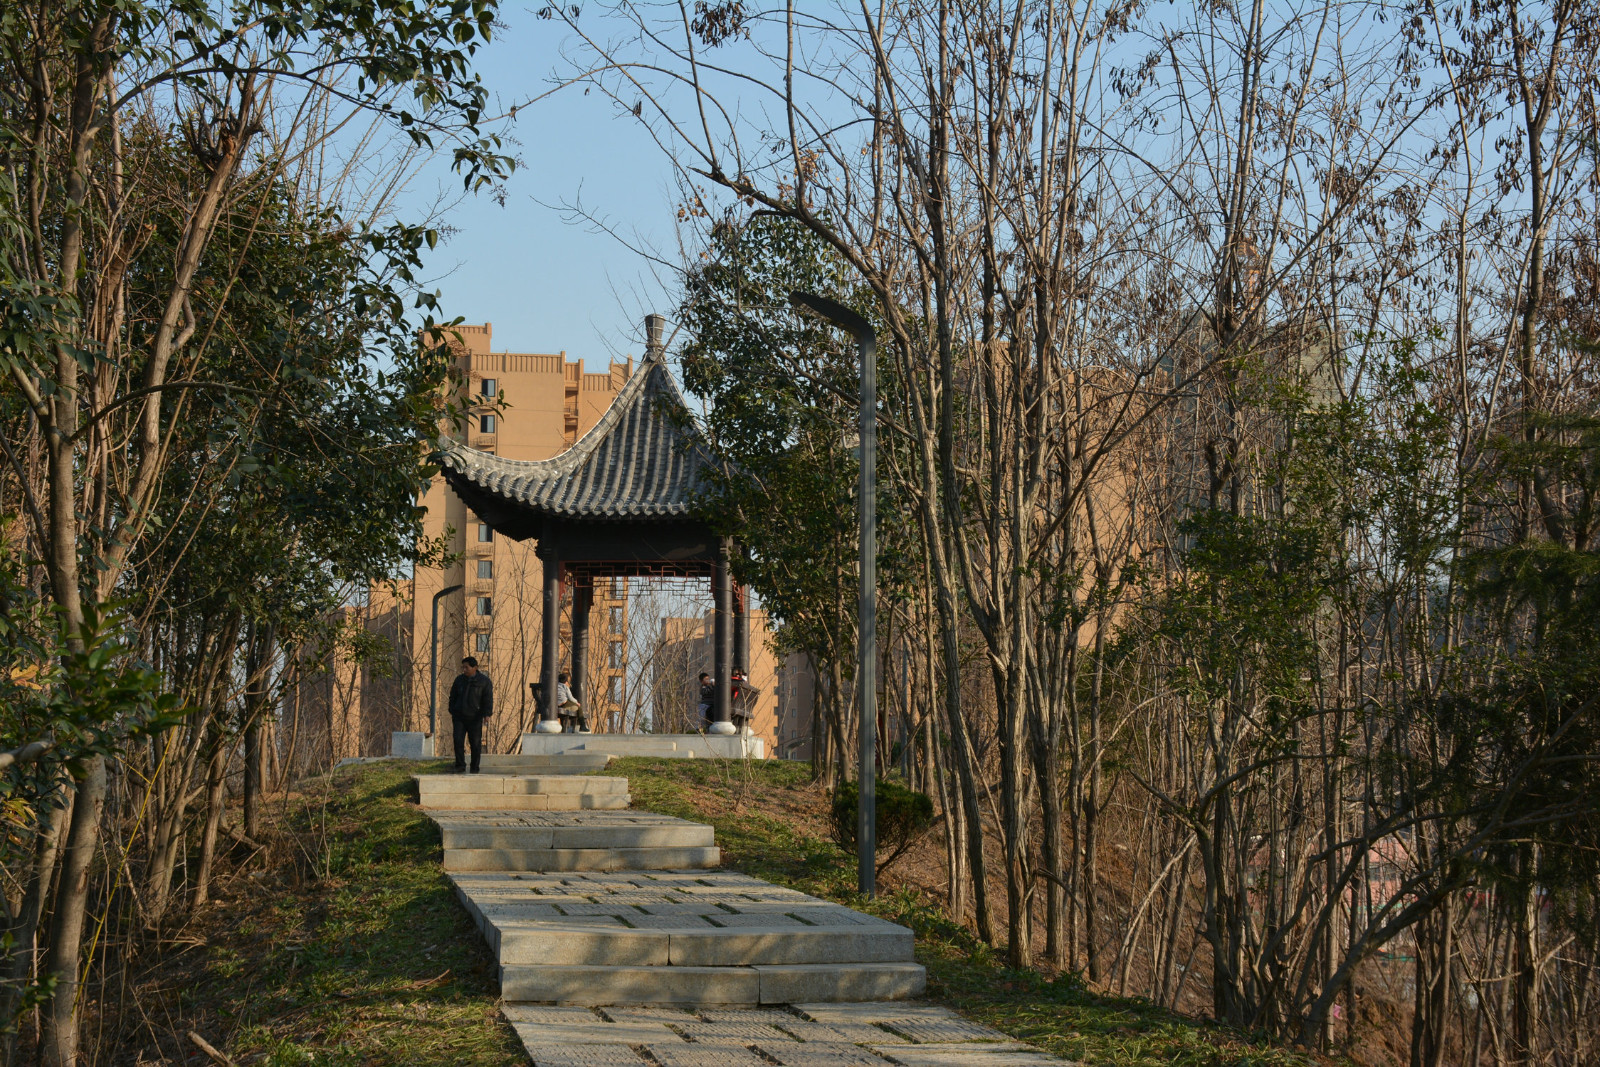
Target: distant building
pixel 683 651
pixel 535 406
pixel 796 706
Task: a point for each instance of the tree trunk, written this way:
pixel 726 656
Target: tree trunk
pixel 1525 964
pixel 216 796
pixel 258 660
pixel 59 1047
pixel 23 956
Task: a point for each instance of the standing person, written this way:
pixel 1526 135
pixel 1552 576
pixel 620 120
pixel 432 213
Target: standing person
pixel 708 697
pixel 471 701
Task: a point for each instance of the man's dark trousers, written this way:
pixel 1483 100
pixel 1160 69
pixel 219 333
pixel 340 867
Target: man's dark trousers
pixel 464 730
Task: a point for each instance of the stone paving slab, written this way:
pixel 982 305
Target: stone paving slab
pixel 580 859
pixel 738 1033
pixel 548 1016
pixel 968 1055
pixel 491 785
pixel 745 1037
pixel 644 1013
pixel 705 1056
pixel 557 820
pixel 929 1030
pixel 581 1055
pixel 847 1012
pixel 821 1054
pixel 596 920
pixel 846 1033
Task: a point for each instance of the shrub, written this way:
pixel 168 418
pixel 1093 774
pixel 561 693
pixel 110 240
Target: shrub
pixel 901 817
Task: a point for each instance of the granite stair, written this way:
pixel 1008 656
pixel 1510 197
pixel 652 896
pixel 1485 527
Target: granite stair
pixel 682 937
pixel 587 902
pixel 522 792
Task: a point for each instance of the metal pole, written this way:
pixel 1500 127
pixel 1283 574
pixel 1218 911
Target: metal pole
pixel 867 621
pixel 433 672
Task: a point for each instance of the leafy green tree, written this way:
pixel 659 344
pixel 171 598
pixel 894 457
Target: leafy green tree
pixel 781 393
pixel 100 348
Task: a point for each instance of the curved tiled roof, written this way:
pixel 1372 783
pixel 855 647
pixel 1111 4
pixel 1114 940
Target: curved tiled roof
pixel 642 460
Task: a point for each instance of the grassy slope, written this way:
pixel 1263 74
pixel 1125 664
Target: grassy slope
pixel 763 812
pixel 351 948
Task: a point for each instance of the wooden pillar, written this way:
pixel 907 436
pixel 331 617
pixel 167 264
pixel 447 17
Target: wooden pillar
pixel 550 640
pixel 741 631
pixel 582 601
pixel 741 650
pixel 722 641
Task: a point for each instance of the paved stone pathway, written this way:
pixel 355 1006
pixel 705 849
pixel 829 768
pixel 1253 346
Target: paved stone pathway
pixel 802 1035
pixel 621 945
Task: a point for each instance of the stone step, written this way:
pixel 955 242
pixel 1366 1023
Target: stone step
pixel 524 802
pixel 521 783
pixel 538 838
pixel 524 943
pixel 777 984
pixel 582 859
pixel 576 762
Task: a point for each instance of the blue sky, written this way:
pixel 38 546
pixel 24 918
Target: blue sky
pixel 548 283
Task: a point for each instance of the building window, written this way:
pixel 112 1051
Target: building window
pixel 482 643
pixel 487 421
pixel 486 568
pixel 485 605
pixel 616 689
pixel 616 654
pixel 488 387
pixel 616 620
pixel 484 533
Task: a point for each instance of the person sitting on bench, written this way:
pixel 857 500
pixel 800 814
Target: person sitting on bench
pixel 568 710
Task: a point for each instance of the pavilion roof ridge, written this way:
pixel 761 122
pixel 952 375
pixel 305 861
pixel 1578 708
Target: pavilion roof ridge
pixel 643 459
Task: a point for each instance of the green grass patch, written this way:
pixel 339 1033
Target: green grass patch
pixel 746 802
pixel 347 946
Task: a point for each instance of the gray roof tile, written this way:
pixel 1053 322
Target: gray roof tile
pixel 643 460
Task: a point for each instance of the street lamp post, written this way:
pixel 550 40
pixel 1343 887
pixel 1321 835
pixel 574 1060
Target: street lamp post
pixel 433 672
pixel 867 620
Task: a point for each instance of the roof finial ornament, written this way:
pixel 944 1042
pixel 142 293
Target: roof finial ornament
pixel 653 348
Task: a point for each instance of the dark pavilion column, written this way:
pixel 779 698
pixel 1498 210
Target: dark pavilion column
pixel 582 601
pixel 741 630
pixel 550 638
pixel 741 640
pixel 722 641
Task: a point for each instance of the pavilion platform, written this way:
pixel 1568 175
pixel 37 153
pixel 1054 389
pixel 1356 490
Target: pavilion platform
pixel 664 746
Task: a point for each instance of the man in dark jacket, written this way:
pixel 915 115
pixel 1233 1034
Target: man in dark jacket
pixel 471 701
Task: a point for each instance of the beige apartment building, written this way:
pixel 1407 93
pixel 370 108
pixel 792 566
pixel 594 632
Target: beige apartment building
pixel 795 693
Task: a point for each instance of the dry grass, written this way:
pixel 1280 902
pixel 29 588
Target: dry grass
pixel 344 946
pixel 771 822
